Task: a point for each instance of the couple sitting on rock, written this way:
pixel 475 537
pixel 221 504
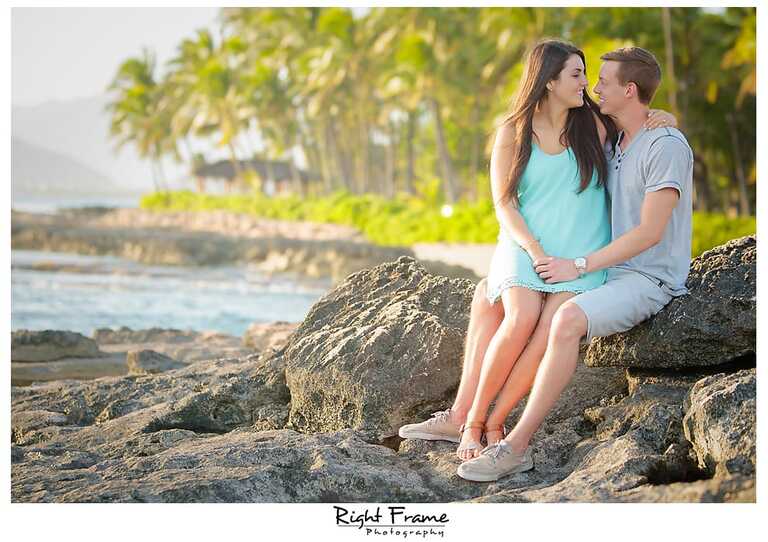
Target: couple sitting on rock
pixel 594 204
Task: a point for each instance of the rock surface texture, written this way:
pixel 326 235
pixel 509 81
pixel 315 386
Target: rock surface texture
pixel 713 324
pixel 313 419
pixel 49 345
pixel 720 422
pixel 150 362
pixel 378 350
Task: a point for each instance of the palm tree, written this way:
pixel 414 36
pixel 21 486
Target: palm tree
pixel 273 38
pixel 207 89
pixel 137 114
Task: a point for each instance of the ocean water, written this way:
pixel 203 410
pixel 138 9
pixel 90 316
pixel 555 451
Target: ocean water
pixel 52 290
pixel 45 203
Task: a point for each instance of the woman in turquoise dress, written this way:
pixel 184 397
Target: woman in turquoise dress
pixel 548 168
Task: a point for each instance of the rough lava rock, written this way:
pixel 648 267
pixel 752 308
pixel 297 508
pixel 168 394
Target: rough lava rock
pixel 721 421
pixel 715 323
pixel 382 348
pixel 261 336
pixel 51 345
pixel 150 362
pixel 309 421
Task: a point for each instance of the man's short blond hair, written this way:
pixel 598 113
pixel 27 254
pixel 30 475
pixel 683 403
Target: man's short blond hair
pixel 638 66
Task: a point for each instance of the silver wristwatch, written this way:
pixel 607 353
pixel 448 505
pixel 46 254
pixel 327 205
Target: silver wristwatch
pixel 581 265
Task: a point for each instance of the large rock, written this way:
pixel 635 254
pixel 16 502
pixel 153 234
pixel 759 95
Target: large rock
pixel 714 324
pixel 51 345
pixel 381 349
pixel 721 420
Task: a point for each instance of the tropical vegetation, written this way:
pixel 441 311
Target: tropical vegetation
pixel 399 104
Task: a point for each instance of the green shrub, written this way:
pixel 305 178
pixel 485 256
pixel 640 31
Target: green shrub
pixel 710 230
pixel 406 219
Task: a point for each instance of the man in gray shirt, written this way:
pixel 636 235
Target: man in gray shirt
pixel 647 262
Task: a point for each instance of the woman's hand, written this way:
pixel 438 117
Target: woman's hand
pixel 658 118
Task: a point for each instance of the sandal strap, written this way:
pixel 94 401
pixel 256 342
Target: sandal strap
pixel 497 427
pixel 471 425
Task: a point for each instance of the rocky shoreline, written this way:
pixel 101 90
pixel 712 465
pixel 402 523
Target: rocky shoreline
pixel 214 238
pixel 42 356
pixel 315 418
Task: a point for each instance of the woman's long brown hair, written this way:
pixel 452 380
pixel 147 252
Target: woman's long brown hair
pixel 544 64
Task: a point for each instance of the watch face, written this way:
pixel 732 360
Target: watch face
pixel 580 263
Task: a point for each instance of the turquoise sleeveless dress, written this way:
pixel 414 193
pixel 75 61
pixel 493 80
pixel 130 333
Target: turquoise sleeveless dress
pixel 566 223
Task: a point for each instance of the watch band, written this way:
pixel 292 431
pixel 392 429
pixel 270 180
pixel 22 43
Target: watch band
pixel 581 269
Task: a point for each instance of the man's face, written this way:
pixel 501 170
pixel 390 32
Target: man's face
pixel 613 96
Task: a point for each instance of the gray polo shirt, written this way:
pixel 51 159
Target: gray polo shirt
pixel 655 159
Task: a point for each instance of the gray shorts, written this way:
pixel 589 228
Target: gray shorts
pixel 626 299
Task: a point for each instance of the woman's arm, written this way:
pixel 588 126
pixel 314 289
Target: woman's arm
pixel 508 216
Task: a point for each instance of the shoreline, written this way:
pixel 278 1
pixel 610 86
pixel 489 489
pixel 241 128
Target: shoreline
pixel 218 237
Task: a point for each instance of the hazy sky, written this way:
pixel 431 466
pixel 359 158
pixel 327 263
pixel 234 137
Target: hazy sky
pixel 64 53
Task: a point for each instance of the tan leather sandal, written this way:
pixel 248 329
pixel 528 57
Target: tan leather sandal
pixel 475 445
pixel 496 428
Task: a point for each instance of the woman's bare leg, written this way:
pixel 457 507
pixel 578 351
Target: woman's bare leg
pixel 484 320
pixel 521 377
pixel 521 312
pixel 557 367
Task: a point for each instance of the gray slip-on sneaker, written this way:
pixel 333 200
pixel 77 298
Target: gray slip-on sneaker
pixel 436 428
pixel 494 462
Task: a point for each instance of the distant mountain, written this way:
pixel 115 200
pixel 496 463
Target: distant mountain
pixel 79 130
pixel 35 170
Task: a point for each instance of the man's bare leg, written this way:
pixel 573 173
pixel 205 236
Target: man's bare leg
pixel 522 307
pixel 484 320
pixel 523 372
pixel 569 325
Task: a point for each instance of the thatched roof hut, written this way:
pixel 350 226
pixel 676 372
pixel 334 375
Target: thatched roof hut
pixel 267 169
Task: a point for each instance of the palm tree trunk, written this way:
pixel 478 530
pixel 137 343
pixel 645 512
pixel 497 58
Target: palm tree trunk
pixel 323 151
pixel 449 176
pixel 474 149
pixel 311 144
pixel 740 178
pixel 409 166
pixel 161 173
pixel 155 182
pixel 338 156
pixel 391 163
pixel 363 160
pixel 702 192
pixel 666 21
pixel 270 174
pixel 235 165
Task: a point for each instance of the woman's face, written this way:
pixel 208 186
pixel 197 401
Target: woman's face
pixel 571 83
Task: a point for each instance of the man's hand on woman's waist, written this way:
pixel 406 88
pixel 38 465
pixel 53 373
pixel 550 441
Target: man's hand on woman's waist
pixel 553 270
